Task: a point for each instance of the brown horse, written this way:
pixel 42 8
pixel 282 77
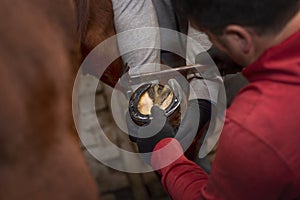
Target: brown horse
pixel 40 155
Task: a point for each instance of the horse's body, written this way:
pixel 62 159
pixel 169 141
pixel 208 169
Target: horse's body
pixel 40 155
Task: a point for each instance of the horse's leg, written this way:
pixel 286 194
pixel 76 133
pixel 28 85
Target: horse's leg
pixel 40 155
pixel 96 24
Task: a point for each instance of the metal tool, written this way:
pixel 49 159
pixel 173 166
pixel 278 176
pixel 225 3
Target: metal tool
pixel 168 73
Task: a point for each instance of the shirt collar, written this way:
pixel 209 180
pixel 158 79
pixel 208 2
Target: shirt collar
pixel 278 63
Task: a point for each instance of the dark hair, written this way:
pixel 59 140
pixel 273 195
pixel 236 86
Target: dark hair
pixel 262 15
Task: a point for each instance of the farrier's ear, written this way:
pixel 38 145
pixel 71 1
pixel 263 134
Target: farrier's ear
pixel 238 38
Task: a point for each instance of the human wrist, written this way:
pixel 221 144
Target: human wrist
pixel 165 153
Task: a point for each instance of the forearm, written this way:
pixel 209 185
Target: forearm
pixel 138 47
pixel 182 179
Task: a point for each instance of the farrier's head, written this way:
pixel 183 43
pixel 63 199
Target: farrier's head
pixel 238 26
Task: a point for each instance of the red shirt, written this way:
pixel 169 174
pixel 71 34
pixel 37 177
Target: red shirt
pixel 259 148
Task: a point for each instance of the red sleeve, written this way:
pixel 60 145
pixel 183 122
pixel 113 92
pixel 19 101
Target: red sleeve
pixel 182 179
pixel 244 168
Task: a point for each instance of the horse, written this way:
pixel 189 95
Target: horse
pixel 39 56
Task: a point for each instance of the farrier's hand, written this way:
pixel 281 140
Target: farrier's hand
pixel 146 137
pixel 196 116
